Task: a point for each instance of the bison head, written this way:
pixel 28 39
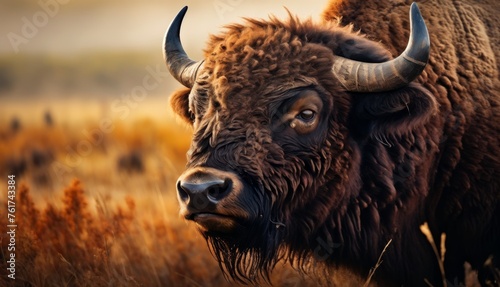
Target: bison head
pixel 279 112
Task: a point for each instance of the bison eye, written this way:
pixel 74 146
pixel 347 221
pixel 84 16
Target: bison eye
pixel 192 116
pixel 306 115
pixel 302 112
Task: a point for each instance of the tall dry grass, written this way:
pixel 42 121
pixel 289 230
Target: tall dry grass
pixel 112 245
pixel 113 226
pixel 116 225
pixel 68 243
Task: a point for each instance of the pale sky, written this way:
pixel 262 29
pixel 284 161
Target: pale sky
pixel 110 25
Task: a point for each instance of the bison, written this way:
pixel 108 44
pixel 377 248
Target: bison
pixel 313 145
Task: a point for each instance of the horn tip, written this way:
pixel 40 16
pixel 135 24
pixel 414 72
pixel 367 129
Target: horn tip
pixel 173 32
pixel 180 15
pixel 178 63
pixel 415 11
pixel 419 47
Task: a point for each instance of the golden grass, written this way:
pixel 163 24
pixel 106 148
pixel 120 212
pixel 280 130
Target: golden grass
pixel 114 226
pixel 72 245
pixel 68 243
pixel 377 265
pixel 440 255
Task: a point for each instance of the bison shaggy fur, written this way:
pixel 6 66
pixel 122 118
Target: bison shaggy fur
pixel 375 166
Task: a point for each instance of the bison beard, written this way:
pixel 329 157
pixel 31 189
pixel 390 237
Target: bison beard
pixel 252 250
pixel 250 253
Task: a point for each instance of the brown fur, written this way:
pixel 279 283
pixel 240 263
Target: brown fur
pixel 378 165
pixel 463 76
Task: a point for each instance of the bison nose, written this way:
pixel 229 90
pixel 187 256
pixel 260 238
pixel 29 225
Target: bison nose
pixel 201 191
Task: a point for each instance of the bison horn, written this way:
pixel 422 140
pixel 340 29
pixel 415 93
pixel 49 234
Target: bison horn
pixel 179 64
pixel 378 77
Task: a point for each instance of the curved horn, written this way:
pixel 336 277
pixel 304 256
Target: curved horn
pixel 378 77
pixel 179 64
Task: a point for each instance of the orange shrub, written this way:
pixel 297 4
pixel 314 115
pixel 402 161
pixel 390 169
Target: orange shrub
pixel 73 245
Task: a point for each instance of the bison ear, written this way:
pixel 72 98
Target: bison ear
pixel 397 112
pixel 179 101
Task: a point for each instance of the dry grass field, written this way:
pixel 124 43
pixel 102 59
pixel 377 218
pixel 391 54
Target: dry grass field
pixel 104 215
pixel 99 208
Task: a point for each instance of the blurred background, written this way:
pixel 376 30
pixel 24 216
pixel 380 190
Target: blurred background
pixel 75 64
pixel 86 128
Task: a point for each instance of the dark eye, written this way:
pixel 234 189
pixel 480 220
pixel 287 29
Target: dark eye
pixel 192 116
pixel 306 115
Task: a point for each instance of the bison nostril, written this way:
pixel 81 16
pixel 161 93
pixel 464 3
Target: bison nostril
pixel 183 195
pixel 218 191
pixel 201 191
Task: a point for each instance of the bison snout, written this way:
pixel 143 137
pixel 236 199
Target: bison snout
pixel 203 192
pixel 201 189
pixel 211 198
